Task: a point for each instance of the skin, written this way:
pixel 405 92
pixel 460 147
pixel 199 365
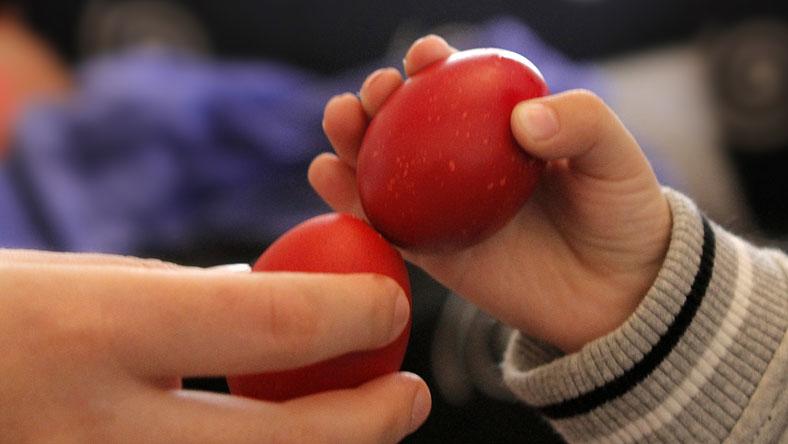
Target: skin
pixel 579 257
pixel 94 347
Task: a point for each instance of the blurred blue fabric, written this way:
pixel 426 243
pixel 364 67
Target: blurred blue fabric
pixel 162 150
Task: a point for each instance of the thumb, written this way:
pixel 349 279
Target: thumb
pixel 579 126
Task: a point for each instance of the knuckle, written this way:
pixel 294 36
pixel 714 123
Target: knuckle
pixel 589 100
pixel 66 325
pixel 291 320
pixel 332 108
pixel 587 96
pixel 69 330
pixel 597 116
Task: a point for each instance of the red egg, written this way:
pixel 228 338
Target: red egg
pixel 331 243
pixel 439 168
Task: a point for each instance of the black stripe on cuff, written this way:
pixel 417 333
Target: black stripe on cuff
pixel 630 378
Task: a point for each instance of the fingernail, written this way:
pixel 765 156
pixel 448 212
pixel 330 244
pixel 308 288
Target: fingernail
pixel 232 268
pixel 422 403
pixel 539 121
pixel 401 315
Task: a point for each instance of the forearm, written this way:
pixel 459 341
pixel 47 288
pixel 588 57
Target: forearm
pixel 703 358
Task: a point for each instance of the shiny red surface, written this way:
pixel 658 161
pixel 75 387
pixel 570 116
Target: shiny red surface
pixel 335 243
pixel 439 168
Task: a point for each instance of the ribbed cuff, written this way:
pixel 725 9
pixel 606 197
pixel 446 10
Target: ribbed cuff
pixel 685 364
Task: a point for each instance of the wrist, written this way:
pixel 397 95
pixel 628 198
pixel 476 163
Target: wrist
pixel 701 325
pixel 613 293
pixel 660 303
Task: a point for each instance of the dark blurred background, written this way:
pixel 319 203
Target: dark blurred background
pixel 182 130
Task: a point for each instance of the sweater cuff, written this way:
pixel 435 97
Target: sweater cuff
pixel 684 366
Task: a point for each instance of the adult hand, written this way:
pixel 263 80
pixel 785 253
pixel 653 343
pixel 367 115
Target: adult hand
pixel 93 349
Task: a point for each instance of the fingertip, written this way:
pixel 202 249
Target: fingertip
pixel 425 51
pixel 385 409
pixel 401 315
pixel 344 123
pixel 420 397
pixel 333 99
pixel 422 400
pixel 315 172
pixel 534 123
pixel 336 103
pixel 388 71
pixel 416 392
pixel 320 172
pixel 394 303
pixel 335 182
pixel 378 87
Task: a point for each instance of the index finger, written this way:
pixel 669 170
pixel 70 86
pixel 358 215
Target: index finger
pixel 160 323
pixel 426 51
pixel 344 122
pixel 346 116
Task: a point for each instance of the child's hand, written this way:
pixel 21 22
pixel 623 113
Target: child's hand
pixel 92 349
pixel 583 251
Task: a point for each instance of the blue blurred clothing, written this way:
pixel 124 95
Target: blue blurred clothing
pixel 159 148
pixel 163 150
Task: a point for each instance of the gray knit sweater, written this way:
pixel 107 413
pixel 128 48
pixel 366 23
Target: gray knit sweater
pixel 704 358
